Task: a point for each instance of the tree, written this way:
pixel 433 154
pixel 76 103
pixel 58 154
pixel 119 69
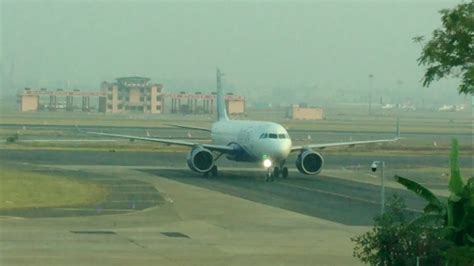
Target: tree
pixel 443 235
pixel 456 213
pixel 450 52
pixel 395 241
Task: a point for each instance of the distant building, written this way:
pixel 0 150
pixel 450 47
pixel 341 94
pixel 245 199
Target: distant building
pixel 235 104
pixel 29 103
pixel 125 95
pixel 198 103
pixel 305 113
pixel 43 99
pixel 131 94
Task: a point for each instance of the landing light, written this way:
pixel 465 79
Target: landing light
pixel 267 163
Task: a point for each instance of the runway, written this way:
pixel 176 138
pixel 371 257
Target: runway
pixel 159 212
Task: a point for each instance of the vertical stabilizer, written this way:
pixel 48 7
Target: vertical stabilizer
pixel 221 109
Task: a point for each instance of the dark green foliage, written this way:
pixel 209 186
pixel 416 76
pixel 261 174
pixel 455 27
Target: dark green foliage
pixel 460 256
pixel 395 241
pixel 450 52
pixel 13 139
pixel 443 235
pixel 457 214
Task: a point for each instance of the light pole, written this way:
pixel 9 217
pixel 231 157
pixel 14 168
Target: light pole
pixel 370 93
pixel 374 167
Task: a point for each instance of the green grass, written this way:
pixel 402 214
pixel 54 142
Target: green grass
pixel 387 149
pixel 24 189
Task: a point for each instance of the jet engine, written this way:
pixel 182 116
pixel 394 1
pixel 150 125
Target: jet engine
pixel 309 162
pixel 200 160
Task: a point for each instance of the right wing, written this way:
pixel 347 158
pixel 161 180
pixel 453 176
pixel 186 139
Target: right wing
pixel 350 143
pixel 212 147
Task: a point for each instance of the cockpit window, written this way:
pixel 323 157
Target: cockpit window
pixel 272 136
pixel 263 135
pixel 282 136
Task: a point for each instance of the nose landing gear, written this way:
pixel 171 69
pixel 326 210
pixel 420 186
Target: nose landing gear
pixel 276 173
pixel 269 176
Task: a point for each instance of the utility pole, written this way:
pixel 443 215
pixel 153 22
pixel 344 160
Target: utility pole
pixel 370 93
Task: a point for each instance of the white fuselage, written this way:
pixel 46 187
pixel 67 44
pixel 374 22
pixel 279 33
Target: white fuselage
pixel 259 140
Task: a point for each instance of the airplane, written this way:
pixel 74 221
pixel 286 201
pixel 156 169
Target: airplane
pixel 447 108
pixel 267 143
pixel 388 106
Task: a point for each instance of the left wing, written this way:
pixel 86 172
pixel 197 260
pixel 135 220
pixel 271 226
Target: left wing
pixel 212 147
pixel 350 143
pixel 190 127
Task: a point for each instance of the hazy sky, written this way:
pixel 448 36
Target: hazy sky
pixel 259 45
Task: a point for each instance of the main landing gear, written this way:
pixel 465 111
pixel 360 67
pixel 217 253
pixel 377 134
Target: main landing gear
pixel 212 172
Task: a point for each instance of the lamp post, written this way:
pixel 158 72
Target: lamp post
pixel 374 167
pixel 371 76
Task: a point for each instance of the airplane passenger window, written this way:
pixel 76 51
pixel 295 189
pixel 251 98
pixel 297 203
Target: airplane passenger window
pixel 272 136
pixel 281 136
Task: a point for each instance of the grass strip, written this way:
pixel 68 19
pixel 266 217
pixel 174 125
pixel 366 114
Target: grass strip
pixel 21 189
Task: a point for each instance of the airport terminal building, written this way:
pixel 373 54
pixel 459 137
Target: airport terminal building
pixel 126 95
pixel 131 94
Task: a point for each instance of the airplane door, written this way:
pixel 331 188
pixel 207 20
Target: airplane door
pixel 247 137
pixel 244 138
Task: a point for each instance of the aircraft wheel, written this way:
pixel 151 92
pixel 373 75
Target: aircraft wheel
pixel 284 172
pixel 268 176
pixel 276 172
pixel 214 170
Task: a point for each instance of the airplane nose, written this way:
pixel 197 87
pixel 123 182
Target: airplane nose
pixel 278 151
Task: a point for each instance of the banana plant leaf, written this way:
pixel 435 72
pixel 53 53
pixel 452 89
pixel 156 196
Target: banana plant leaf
pixel 433 202
pixel 427 219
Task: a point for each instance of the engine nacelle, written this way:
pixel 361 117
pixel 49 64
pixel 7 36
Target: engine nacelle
pixel 200 160
pixel 309 162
